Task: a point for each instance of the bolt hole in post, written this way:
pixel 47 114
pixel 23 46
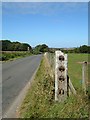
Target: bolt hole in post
pixel 61 92
pixel 61 58
pixel 61 68
pixel 61 78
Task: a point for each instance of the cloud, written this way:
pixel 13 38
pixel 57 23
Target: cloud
pixel 29 8
pixel 45 8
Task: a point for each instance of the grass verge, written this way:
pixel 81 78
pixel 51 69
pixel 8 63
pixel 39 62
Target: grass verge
pixel 13 55
pixel 39 101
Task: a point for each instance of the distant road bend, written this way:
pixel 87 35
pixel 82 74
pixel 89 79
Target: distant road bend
pixel 15 76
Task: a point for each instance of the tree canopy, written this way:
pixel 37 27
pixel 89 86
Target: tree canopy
pixel 7 45
pixel 41 48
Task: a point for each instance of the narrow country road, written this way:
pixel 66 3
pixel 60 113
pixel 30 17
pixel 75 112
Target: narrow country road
pixel 15 76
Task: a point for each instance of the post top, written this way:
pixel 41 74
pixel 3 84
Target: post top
pixel 58 52
pixel 84 62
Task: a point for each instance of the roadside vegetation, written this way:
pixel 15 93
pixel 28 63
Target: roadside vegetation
pixel 12 50
pixel 14 55
pixel 39 101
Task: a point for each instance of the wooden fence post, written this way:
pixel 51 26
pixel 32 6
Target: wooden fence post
pixel 84 76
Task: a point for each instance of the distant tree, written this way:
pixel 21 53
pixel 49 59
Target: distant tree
pixel 16 46
pixel 83 49
pixel 41 48
pixel 24 47
pixel 88 49
pixel 51 50
pixel 0 45
pixel 7 45
pixel 76 50
pixel 44 48
pixel 36 50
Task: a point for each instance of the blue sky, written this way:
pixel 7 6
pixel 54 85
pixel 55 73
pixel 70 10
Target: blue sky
pixel 60 24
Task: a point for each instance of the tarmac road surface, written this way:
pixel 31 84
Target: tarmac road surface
pixel 15 76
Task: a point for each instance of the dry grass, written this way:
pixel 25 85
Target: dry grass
pixel 39 102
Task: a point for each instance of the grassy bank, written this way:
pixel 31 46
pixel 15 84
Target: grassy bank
pixel 39 102
pixel 5 56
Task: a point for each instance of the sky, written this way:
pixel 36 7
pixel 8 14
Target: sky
pixel 57 24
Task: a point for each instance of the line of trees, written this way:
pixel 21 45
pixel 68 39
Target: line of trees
pixel 81 49
pixel 7 45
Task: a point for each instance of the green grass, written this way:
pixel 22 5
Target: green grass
pixel 40 95
pixel 75 69
pixel 39 101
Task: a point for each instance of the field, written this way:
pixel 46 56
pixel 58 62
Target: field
pixel 75 69
pixel 39 101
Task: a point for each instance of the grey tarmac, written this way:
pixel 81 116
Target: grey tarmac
pixel 16 76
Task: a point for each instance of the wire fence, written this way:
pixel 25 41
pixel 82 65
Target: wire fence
pixel 85 75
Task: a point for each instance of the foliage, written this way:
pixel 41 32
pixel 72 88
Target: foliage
pixel 11 55
pixel 7 45
pixel 81 49
pixel 84 49
pixel 41 49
